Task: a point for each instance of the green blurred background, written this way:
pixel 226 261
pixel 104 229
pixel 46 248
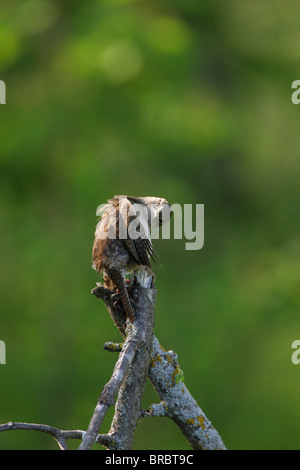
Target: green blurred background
pixel 186 100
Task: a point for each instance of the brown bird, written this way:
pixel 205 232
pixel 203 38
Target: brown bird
pixel 123 243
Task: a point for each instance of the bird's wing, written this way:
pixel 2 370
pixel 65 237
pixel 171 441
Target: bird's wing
pixel 140 247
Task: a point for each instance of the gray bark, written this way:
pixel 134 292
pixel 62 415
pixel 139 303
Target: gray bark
pixel 140 355
pixel 176 402
pixel 128 405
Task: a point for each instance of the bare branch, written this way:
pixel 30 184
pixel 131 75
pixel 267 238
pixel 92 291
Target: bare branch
pixel 111 389
pixel 59 435
pixel 141 354
pixel 136 348
pixel 179 405
pixel 127 409
pixel 113 347
pixel 168 381
pixel 156 409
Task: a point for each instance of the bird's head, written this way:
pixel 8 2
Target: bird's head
pixel 158 209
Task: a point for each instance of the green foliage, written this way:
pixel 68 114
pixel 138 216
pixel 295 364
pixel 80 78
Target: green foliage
pixel 181 99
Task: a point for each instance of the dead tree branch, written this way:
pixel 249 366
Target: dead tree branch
pixel 167 379
pixel 128 381
pixel 140 356
pixel 59 435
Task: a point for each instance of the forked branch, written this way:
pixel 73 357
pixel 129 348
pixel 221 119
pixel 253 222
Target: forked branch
pixel 140 355
pixel 176 402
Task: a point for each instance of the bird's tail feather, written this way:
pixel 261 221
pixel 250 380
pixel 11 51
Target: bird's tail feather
pixel 118 278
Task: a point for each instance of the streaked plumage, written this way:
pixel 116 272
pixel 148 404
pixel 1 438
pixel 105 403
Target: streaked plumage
pixel 122 240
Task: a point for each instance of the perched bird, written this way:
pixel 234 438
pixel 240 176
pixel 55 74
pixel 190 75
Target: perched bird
pixel 123 243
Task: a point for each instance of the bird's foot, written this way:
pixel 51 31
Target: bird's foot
pixel 115 296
